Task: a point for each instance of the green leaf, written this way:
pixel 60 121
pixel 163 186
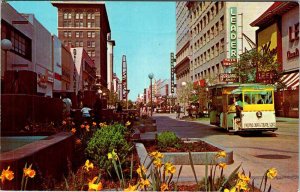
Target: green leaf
pixel 233 173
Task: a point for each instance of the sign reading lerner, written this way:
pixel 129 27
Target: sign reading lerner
pixel 233 32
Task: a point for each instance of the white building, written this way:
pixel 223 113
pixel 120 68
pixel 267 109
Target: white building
pixel 110 62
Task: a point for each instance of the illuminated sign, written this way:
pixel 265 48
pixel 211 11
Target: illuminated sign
pixel 233 32
pixel 228 77
pixel 172 72
pixel 229 62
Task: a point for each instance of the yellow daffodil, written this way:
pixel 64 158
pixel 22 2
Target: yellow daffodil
pixel 156 154
pixel 7 175
pixel 112 155
pixel 88 165
pixel 28 172
pixel 103 125
pixel 233 189
pixel 272 173
pixel 64 122
pixel 131 188
pixel 73 130
pixel 164 187
pixel 144 183
pixel 222 165
pixel 170 168
pixel 94 123
pixel 82 126
pixel 78 141
pixel 141 171
pixel 94 186
pixel 157 163
pixel 241 185
pixel 87 128
pixel 221 154
pixel 127 123
pixel 243 177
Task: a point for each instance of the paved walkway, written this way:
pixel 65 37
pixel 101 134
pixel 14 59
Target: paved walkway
pixel 247 150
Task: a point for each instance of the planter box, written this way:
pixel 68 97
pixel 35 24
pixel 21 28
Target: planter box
pixel 182 158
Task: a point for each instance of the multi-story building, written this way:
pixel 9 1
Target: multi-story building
pixel 218 32
pixel 279 32
pixel 110 62
pixel 85 24
pixel 182 67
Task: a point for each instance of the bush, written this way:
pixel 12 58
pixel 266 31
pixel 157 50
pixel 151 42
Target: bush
pixel 167 139
pixel 105 140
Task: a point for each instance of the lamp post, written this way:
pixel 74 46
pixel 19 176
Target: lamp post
pixel 127 92
pixel 6 45
pixel 170 96
pixel 151 75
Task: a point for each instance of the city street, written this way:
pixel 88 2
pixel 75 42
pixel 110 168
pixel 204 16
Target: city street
pixel 256 152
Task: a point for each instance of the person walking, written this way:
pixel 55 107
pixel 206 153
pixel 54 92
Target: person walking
pixel 67 107
pixel 178 110
pixel 86 112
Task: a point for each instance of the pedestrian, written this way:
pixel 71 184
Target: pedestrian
pixel 178 110
pixel 97 108
pixel 119 107
pixel 86 112
pixel 67 104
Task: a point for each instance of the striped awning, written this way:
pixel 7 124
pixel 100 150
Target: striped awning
pixel 291 80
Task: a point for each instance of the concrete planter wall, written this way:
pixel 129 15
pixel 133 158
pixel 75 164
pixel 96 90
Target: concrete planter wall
pixel 182 158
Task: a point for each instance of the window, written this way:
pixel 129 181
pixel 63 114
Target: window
pixel 81 24
pixel 76 44
pixel 93 43
pixel 89 53
pixel 90 16
pixel 89 24
pixel 81 15
pixel 69 16
pixel 217 28
pixel 65 15
pixel 222 45
pixel 222 23
pixel 93 53
pixel 65 33
pixel 77 16
pixel 89 34
pixel 217 49
pixel 70 34
pixel 81 44
pixel 88 44
pixel 93 34
pixel 70 43
pixel 76 24
pixel 77 34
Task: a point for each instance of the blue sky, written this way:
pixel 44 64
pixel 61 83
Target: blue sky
pixel 144 31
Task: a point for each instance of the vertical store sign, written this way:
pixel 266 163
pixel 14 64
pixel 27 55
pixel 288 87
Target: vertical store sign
pixel 124 77
pixel 233 51
pixel 172 72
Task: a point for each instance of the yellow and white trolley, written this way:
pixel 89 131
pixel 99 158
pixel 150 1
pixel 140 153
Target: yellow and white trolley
pixel 256 100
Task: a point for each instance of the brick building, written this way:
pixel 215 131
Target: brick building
pixel 85 24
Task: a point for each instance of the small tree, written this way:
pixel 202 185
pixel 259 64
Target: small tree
pixel 112 98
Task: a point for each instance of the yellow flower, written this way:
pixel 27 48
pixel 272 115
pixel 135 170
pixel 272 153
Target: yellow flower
pixel 78 141
pixel 7 174
pixel 241 185
pixel 88 165
pixel 127 123
pixel 64 122
pixel 157 163
pixel 156 154
pixel 94 123
pixel 87 128
pixel 169 168
pixel 73 130
pixel 103 125
pixel 221 154
pixel 112 155
pixel 233 189
pixel 94 186
pixel 222 165
pixel 272 173
pixel 29 172
pixel 243 177
pixel 144 183
pixel 131 188
pixel 82 126
pixel 164 187
pixel 141 171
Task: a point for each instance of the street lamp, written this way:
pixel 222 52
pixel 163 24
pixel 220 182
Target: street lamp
pixel 170 96
pixel 127 92
pixel 151 75
pixel 6 45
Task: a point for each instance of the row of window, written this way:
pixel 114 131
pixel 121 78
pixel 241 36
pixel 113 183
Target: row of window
pixel 219 26
pixel 21 44
pixel 79 34
pixel 210 72
pixel 78 24
pixel 211 53
pixel 78 15
pixel 202 7
pixel 90 44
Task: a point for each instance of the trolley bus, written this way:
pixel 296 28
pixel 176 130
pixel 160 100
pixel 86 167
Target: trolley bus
pixel 257 107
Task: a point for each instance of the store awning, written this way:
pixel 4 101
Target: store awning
pixel 291 80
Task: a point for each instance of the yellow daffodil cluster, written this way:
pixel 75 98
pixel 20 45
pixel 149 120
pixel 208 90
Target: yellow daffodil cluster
pixel 271 173
pixel 144 183
pixel 73 130
pixel 141 170
pixel 242 182
pixel 102 125
pixel 94 123
pixel 221 154
pixel 131 188
pixel 28 172
pixel 7 175
pixel 169 168
pixel 113 155
pixel 88 165
pixel 95 186
pixel 222 165
pixel 164 187
pixel 157 158
pixel 127 123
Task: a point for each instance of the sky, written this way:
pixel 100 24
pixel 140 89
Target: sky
pixel 143 31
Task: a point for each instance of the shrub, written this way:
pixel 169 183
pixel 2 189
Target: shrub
pixel 105 140
pixel 167 139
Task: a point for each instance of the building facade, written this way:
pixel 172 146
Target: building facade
pixel 85 24
pixel 219 31
pixel 110 62
pixel 279 30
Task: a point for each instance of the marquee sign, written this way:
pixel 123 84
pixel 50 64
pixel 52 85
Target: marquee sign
pixel 172 72
pixel 233 51
pixel 228 77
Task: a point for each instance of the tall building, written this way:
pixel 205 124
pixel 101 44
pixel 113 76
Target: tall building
pixel 219 31
pixel 110 62
pixel 85 24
